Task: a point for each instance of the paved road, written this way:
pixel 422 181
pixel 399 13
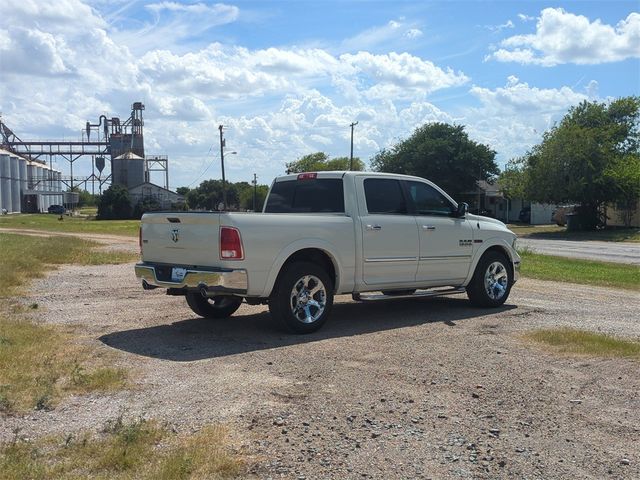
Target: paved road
pixel 619 252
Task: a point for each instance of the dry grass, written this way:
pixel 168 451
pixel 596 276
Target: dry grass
pixel 136 450
pixel 581 342
pixel 554 232
pixel 25 258
pixel 49 222
pixel 38 363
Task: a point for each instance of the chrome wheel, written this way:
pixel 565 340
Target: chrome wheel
pixel 496 279
pixel 308 299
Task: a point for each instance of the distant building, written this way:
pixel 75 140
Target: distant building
pixel 488 200
pixel 149 191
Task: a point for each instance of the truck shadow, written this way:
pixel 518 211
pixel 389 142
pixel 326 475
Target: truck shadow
pixel 197 338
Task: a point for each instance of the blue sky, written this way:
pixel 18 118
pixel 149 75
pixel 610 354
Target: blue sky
pixel 287 78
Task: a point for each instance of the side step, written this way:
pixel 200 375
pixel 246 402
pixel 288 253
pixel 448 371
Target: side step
pixel 375 297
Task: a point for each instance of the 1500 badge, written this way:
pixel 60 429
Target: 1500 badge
pixel 465 243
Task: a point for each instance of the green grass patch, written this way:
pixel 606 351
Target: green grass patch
pixel 139 449
pixel 585 272
pixel 554 232
pixel 26 257
pixel 39 364
pixel 582 342
pixel 49 222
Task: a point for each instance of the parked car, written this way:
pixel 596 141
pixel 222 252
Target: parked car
pixel 57 209
pixel 559 215
pixel 329 233
pixel 525 215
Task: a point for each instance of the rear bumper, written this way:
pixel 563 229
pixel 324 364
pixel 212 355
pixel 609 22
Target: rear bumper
pixel 223 280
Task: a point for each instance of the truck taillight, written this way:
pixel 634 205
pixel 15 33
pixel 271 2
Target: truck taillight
pixel 230 244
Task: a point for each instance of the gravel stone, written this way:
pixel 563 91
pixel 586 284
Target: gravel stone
pixel 190 372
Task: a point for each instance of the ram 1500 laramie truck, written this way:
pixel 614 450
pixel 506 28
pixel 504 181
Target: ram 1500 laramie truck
pixel 328 233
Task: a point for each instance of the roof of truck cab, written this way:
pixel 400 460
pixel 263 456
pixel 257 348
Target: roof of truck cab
pixel 341 174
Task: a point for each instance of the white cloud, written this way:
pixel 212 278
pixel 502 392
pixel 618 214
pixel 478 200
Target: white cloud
pixel 512 118
pixel 394 34
pixel 499 28
pixel 174 24
pixel 563 37
pixel 525 18
pixel 402 75
pixel 230 12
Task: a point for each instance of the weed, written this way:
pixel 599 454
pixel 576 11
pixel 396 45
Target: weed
pixel 138 449
pixel 583 342
pixel 586 272
pixel 25 258
pixel 70 224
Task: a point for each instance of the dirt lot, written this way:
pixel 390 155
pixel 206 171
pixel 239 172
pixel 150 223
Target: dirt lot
pixel 405 389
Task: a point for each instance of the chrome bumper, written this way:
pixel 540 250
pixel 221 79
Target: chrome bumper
pixel 218 279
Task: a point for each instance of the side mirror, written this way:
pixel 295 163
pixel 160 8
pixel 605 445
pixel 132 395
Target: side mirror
pixel 463 208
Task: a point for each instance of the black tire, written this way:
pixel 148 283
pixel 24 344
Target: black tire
pixel 283 302
pixel 222 306
pixel 495 291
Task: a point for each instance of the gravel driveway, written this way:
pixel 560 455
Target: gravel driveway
pixel 430 388
pixel 618 252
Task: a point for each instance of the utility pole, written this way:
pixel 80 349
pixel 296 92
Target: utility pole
pixel 351 156
pixel 255 187
pixel 224 188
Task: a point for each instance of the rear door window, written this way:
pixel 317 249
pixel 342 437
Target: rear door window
pixel 323 195
pixel 384 196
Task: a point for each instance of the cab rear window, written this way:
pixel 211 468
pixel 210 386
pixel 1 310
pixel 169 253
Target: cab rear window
pixel 319 195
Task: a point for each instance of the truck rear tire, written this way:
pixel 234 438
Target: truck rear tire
pixel 302 298
pixel 222 306
pixel 492 280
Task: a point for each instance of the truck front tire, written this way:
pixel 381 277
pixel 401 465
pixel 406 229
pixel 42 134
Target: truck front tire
pixel 492 280
pixel 222 306
pixel 302 298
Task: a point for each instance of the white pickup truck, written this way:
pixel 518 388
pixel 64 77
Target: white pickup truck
pixel 328 233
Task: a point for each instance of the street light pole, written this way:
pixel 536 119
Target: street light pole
pixel 255 187
pixel 224 188
pixel 351 156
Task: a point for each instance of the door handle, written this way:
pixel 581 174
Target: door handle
pixel 428 227
pixel 374 227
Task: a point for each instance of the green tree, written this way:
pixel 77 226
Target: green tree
pixel 208 195
pixel 246 197
pixel 625 172
pixel 114 203
pixel 584 158
pixel 85 199
pixel 182 190
pixel 513 179
pixel 320 161
pixel 442 153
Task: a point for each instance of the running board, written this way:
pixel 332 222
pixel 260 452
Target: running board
pixel 371 297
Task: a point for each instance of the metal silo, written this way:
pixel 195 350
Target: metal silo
pixel 38 187
pixel 15 184
pixel 59 198
pixel 127 170
pixel 47 188
pixel 22 169
pixel 5 178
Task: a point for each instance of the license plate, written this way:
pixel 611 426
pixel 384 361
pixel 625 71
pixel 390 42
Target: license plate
pixel 177 274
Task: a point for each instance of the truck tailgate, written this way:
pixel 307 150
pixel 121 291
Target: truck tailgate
pixel 181 238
